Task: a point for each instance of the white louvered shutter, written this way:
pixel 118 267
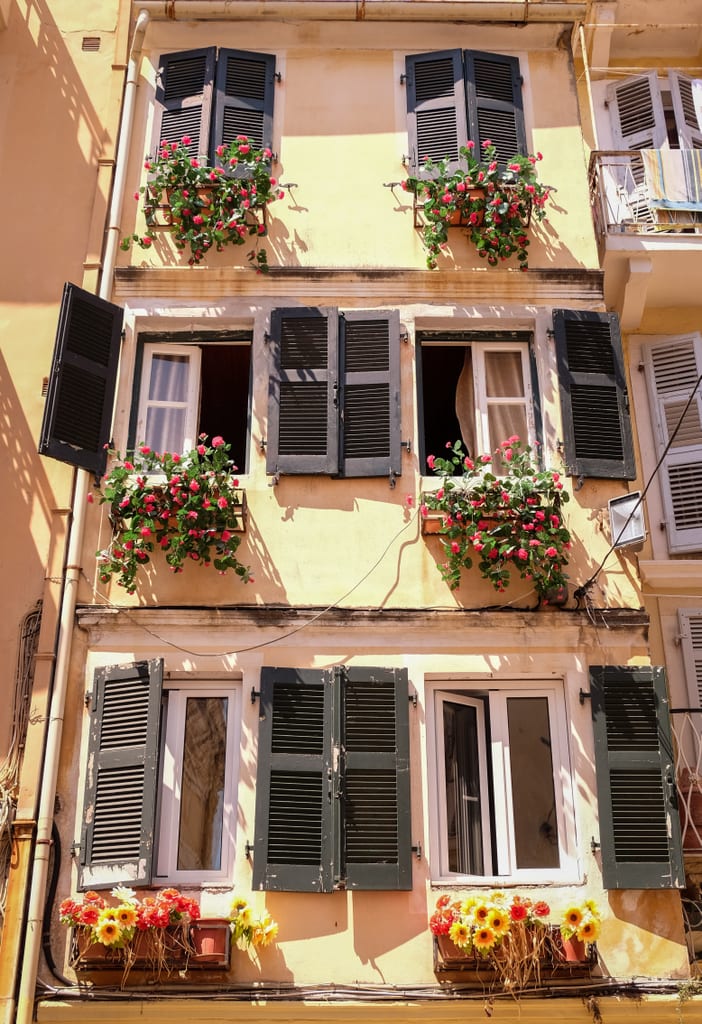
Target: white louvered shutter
pixel 691 635
pixel 673 368
pixel 636 109
pixel 686 118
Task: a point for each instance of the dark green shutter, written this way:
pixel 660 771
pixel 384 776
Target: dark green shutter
pixel 436 109
pixel 494 103
pixel 375 788
pixel 293 850
pixel 77 420
pixel 594 405
pixel 121 775
pixel 184 93
pixel 244 97
pixel 370 394
pixel 303 393
pixel 639 822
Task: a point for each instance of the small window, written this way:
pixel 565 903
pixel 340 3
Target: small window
pixel 198 795
pixel 192 389
pixel 505 805
pixel 479 391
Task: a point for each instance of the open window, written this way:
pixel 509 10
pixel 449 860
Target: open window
pixel 456 95
pixel 193 387
pixel 504 796
pixel 474 386
pixel 160 792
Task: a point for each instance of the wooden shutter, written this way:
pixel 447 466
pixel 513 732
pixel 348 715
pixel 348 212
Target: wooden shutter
pixel 636 110
pixel 639 822
pixel 375 805
pixel 594 406
pixel 436 112
pixel 121 775
pixel 673 369
pixel 686 119
pixel 184 93
pixel 494 102
pixel 293 846
pixel 370 393
pixel 244 97
pixel 77 420
pixel 691 641
pixel 303 393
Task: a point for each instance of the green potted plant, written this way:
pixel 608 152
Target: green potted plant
pixel 495 204
pixel 207 208
pixel 190 507
pixel 504 509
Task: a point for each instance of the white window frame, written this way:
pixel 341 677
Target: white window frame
pixel 455 691
pixel 191 403
pixel 170 774
pixel 483 401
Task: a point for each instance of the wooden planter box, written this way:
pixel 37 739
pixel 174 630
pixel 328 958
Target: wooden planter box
pixel 157 951
pixel 561 958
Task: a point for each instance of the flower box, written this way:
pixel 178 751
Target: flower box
pixel 157 950
pixel 560 957
pixel 210 939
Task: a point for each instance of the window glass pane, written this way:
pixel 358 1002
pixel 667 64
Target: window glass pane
pixel 169 378
pixel 165 429
pixel 503 374
pixel 202 785
pixel 505 421
pixel 533 794
pixel 463 807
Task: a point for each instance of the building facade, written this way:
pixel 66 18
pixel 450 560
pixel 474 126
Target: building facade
pixel 335 735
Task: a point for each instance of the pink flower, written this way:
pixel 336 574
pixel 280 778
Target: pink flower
pixel 217 442
pixel 409 501
pixel 513 167
pixel 186 140
pixel 194 486
pixel 431 459
pixel 145 531
pixel 455 547
pixel 521 553
pixel 555 520
pixel 551 553
pixel 198 219
pixel 90 497
pixel 226 535
pixel 222 502
pixel 245 149
pixel 487 143
pixel 194 163
pixel 423 511
pixel 145 450
pixel 468 463
pixel 201 449
pixel 146 241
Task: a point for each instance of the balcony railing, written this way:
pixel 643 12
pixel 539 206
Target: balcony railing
pixel 646 191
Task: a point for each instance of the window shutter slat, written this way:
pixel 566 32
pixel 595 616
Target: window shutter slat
pixel 370 399
pixel 596 426
pixel 303 428
pixel 639 823
pixel 691 641
pixel 244 97
pixel 184 93
pixel 436 111
pixel 120 792
pixel 673 369
pixel 686 119
pixel 293 807
pixel 77 419
pixel 636 109
pixel 375 808
pixel 494 103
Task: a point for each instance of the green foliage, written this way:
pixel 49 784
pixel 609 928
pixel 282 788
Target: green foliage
pixel 188 507
pixel 210 207
pixel 512 522
pixel 496 217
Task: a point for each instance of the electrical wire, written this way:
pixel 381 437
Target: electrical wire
pixel 581 591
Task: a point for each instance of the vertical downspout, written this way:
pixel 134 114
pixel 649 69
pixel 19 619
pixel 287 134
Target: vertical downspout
pixel 37 892
pixel 588 85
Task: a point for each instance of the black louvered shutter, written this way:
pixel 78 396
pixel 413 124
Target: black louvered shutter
pixel 77 420
pixel 375 788
pixel 184 92
pixel 639 821
pixel 121 774
pixel 244 97
pixel 436 107
pixel 369 345
pixel 494 103
pixel 293 845
pixel 303 392
pixel 594 406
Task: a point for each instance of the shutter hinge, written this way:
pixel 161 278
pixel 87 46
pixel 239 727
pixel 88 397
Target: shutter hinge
pixel 392 479
pixel 87 700
pixel 594 845
pixel 583 696
pixel 403 78
pixel 407 445
pixel 417 849
pixel 413 698
pixel 255 694
pixel 75 849
pixel 262 444
pixel 248 849
pixel 277 75
pixel 550 333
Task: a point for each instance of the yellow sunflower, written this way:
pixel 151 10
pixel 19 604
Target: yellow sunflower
pixel 459 933
pixel 588 931
pixel 484 939
pixel 108 932
pixel 126 915
pixel 573 917
pixel 499 921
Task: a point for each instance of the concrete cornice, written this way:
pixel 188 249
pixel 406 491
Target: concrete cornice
pixel 538 287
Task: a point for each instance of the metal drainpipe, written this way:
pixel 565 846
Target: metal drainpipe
pixel 37 892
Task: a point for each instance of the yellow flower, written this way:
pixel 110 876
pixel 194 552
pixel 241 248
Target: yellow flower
pixel 238 905
pixel 108 914
pixel 499 921
pixel 265 931
pixel 468 903
pixel 484 939
pixel 108 932
pixel 573 917
pixel 589 930
pixel 480 913
pixel 126 915
pixel 459 933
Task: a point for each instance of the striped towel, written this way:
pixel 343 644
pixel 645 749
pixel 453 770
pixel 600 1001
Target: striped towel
pixel 673 178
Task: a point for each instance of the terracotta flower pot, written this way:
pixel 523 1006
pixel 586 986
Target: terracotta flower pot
pixel 574 950
pixel 211 941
